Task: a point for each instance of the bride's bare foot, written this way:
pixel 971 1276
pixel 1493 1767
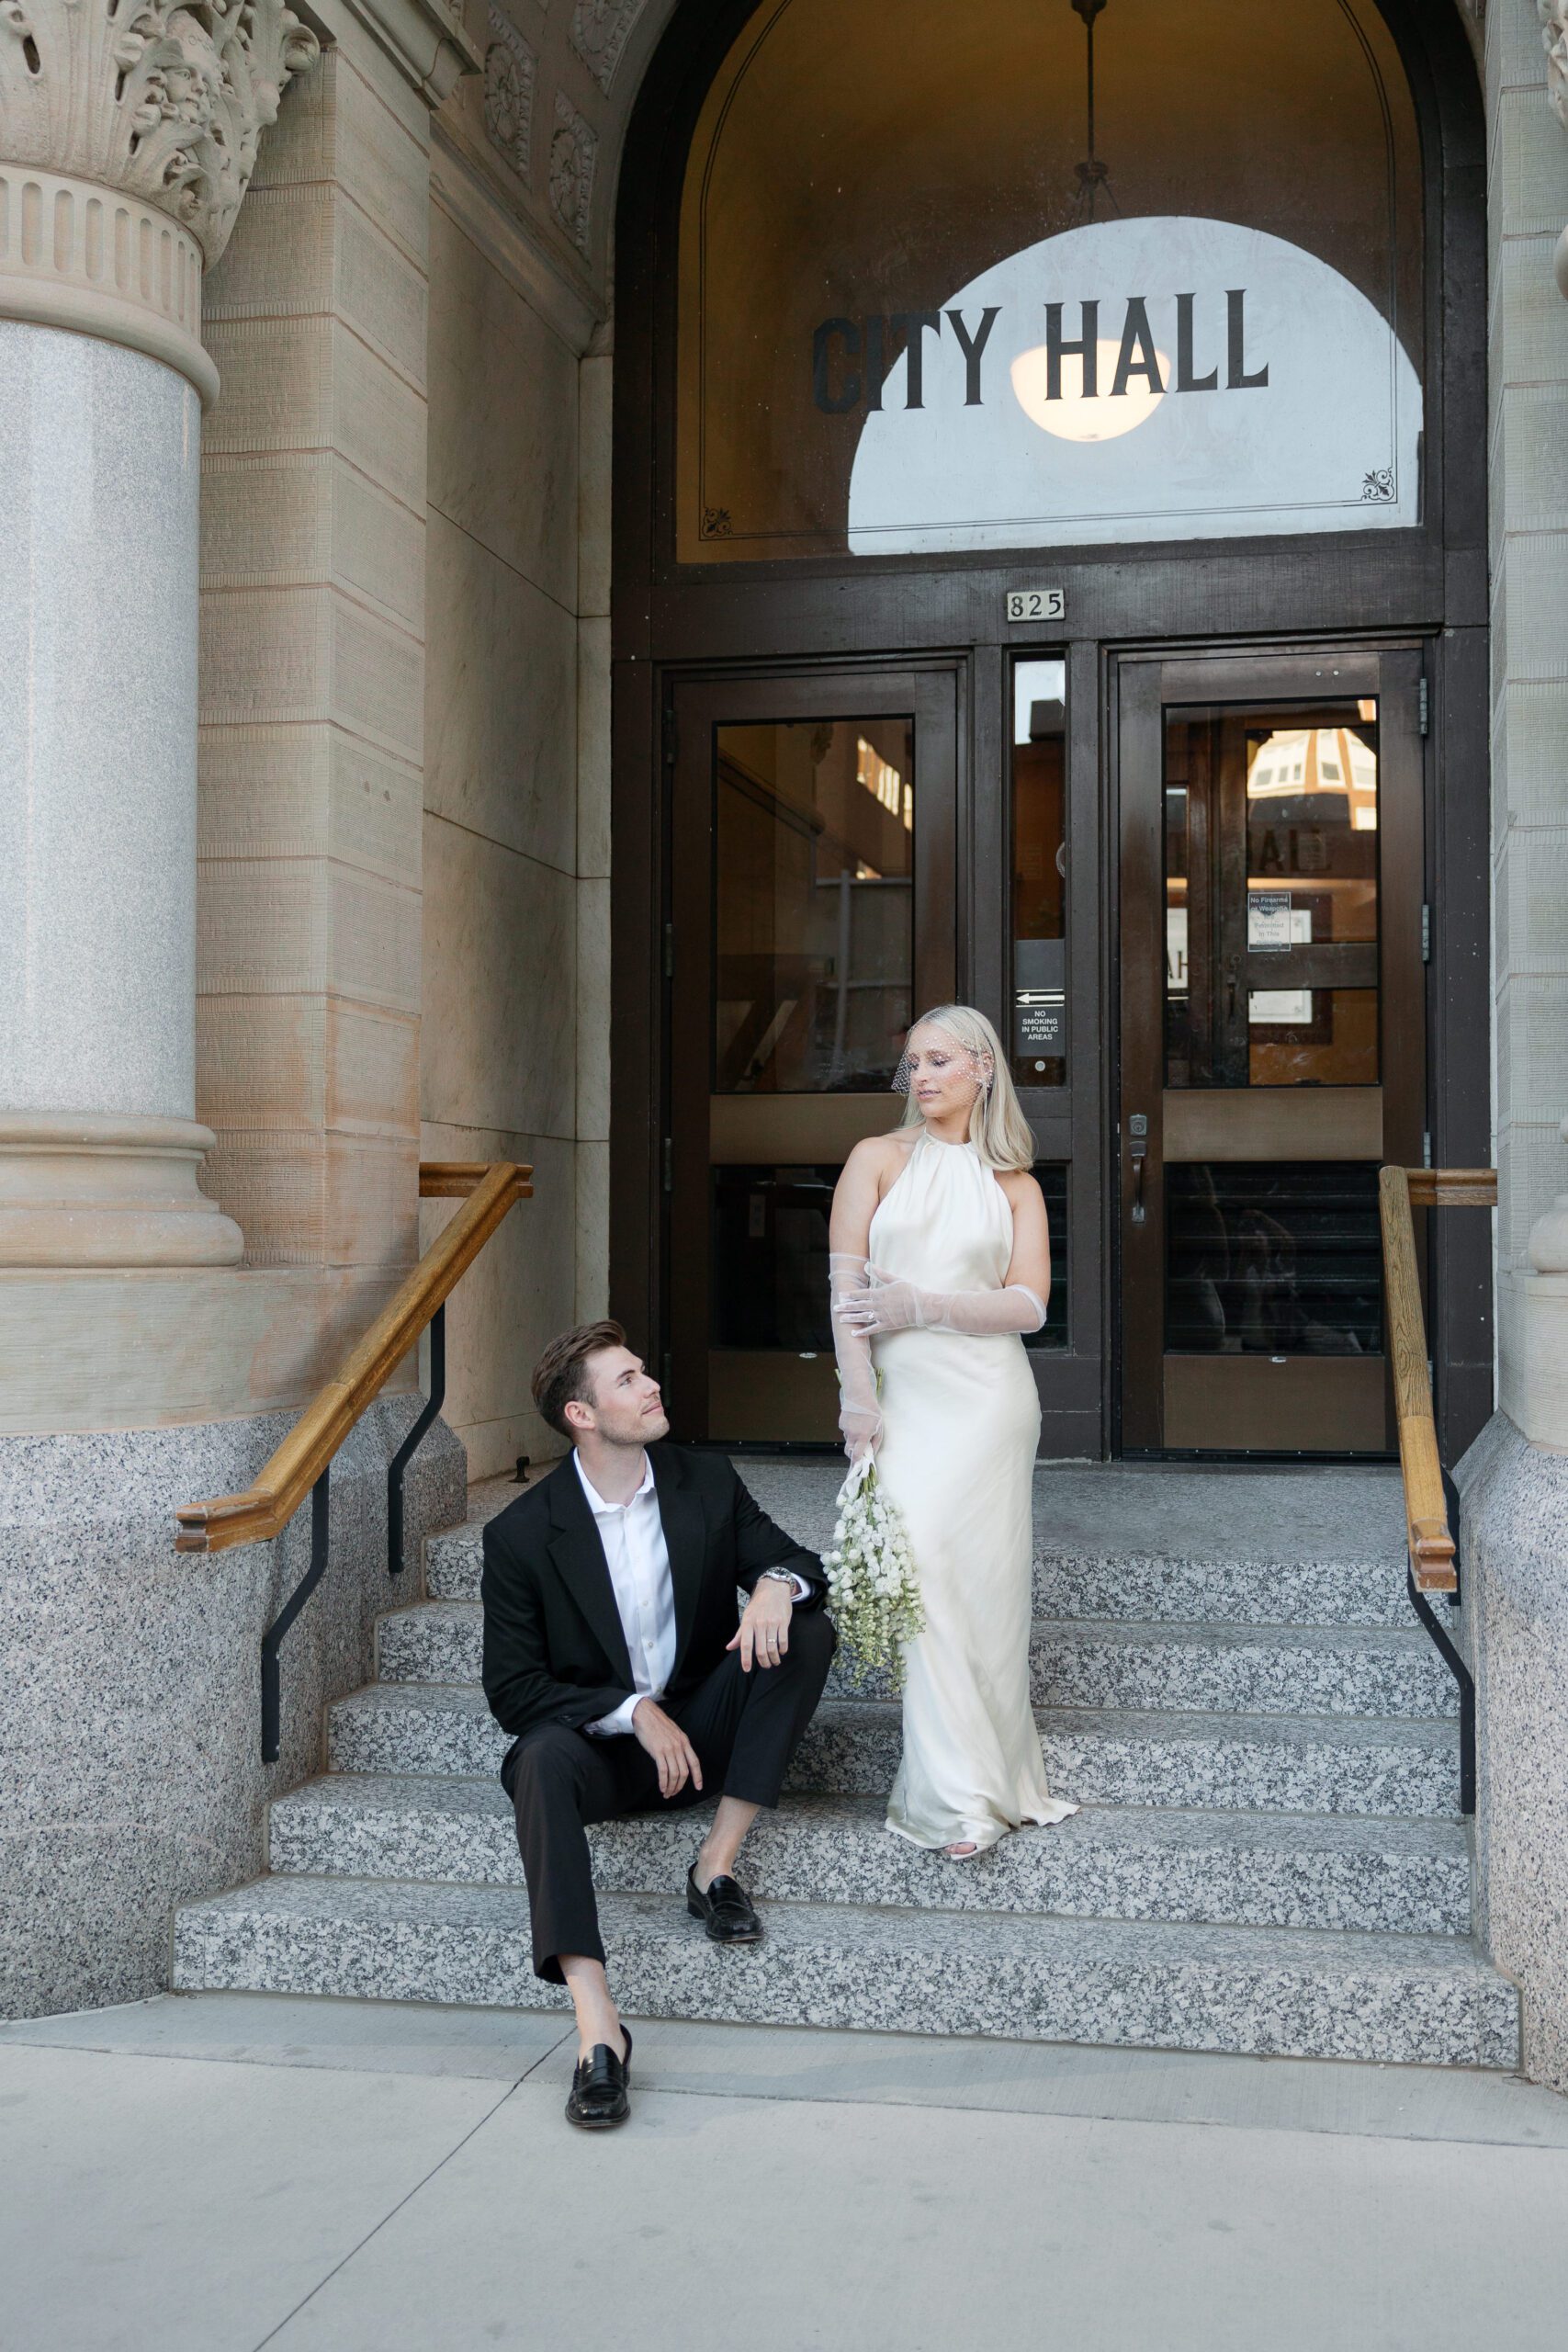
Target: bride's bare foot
pixel 961 1853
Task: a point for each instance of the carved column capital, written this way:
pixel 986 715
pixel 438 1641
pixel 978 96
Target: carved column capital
pixel 129 132
pixel 156 99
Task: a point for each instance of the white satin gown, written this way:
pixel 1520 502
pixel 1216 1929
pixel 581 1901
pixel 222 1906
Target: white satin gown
pixel 961 1424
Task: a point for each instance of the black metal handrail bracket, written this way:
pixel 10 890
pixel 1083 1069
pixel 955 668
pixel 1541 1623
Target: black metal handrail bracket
pixel 1448 1650
pixel 301 1465
pixel 410 1444
pixel 272 1640
pixel 1431 1529
pixel 320 1539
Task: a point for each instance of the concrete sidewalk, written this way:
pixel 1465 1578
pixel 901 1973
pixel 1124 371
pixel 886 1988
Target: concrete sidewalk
pixel 218 2174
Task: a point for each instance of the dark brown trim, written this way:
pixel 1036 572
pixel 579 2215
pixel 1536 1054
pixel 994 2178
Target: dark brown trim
pixel 1138 1189
pixel 1459 1028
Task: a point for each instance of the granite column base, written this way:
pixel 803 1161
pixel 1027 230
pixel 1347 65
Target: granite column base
pixel 1515 1559
pixel 130 1772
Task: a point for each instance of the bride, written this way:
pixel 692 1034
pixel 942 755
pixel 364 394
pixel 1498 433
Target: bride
pixel 940 1261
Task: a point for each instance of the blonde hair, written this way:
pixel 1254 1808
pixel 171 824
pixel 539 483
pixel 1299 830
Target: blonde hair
pixel 998 1128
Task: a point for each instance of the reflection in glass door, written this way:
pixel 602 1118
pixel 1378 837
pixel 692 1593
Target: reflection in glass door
pixel 813 904
pixel 1271 1043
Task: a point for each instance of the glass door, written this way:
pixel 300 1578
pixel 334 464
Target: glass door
pixel 1273 1042
pixel 813 913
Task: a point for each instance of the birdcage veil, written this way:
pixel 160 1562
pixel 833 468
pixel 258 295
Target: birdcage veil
pixel 997 1127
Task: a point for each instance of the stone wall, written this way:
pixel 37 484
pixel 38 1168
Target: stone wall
pixel 314 597
pixel 501 932
pixel 515 1056
pixel 1527 207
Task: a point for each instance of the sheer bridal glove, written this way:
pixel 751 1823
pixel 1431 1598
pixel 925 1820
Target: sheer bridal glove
pixel 860 1416
pixel 880 1304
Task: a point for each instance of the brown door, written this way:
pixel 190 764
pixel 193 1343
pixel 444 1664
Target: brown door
pixel 813 913
pixel 1272 1040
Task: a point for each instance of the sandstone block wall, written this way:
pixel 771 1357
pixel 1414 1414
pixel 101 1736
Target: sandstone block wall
pixel 312 658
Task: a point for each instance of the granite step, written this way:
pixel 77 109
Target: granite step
pixel 1206 1588
pixel 1304 1520
pixel 1147 1586
pixel 1408 1877
pixel 1335 1764
pixel 1296 1670
pixel 1400 1999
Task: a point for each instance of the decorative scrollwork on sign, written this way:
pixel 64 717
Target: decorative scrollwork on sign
pixel 599 31
pixel 573 151
pixel 162 101
pixel 716 524
pixel 511 68
pixel 1378 485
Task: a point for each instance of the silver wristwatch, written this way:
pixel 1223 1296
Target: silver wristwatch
pixel 780 1576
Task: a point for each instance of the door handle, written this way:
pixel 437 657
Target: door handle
pixel 1138 1148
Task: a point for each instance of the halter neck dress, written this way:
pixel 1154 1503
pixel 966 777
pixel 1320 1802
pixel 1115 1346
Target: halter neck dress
pixel 961 1423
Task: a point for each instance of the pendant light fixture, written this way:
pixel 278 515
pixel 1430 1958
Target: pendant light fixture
pixel 1093 175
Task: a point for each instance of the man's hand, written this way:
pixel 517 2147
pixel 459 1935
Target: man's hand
pixel 668 1746
pixel 763 1632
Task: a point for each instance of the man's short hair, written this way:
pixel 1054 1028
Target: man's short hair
pixel 560 1376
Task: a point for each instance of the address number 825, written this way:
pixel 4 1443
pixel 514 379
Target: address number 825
pixel 1036 603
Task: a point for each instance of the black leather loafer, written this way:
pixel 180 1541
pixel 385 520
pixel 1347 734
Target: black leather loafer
pixel 598 2100
pixel 726 1910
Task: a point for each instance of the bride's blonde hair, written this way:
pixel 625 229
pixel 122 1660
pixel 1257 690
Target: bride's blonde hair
pixel 998 1128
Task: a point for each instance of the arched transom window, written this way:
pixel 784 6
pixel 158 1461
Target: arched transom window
pixel 1033 272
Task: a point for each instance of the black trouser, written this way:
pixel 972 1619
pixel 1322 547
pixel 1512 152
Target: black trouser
pixel 744 1727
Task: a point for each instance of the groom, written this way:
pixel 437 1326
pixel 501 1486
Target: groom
pixel 612 1653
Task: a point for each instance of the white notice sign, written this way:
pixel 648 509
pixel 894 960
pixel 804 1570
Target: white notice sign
pixel 1268 921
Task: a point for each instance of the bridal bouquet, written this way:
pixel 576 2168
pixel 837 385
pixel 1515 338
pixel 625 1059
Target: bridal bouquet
pixel 874 1596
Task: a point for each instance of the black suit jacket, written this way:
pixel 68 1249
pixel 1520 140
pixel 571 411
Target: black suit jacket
pixel 554 1650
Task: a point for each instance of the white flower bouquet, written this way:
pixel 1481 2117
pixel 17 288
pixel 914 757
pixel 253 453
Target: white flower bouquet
pixel 874 1593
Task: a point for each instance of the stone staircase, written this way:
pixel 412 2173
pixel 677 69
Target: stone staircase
pixel 1270 1856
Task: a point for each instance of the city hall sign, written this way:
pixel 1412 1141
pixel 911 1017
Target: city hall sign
pixel 1155 379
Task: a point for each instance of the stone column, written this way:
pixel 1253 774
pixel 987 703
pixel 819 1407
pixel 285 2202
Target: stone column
pixel 128 137
pixel 1514 1480
pixel 1535 1371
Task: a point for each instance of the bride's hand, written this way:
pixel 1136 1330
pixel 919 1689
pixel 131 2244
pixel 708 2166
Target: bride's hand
pixel 861 1433
pixel 887 1306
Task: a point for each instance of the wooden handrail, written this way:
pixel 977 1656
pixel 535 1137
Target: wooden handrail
pixel 489 1190
pixel 454 1179
pixel 1451 1187
pixel 1427 1533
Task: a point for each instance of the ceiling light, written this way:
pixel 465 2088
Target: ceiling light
pixel 1072 418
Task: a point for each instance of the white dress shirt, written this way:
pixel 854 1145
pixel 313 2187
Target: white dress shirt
pixel 639 1559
